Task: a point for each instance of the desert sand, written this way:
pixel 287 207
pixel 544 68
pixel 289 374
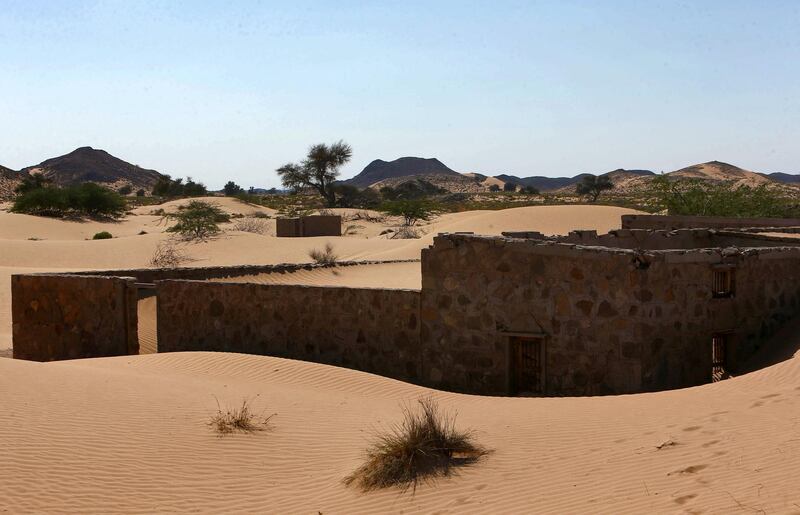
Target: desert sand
pixel 129 434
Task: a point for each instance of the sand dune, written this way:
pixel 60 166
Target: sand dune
pixel 128 434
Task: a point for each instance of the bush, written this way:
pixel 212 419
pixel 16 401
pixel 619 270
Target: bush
pixel 412 211
pixel 140 193
pixel 410 190
pixel 241 419
pixel 168 255
pixel 125 190
pixel 703 198
pixel 425 445
pixel 198 220
pixel 253 225
pixel 87 199
pixel 104 235
pixel 494 188
pixel 509 186
pixel 351 196
pixel 324 257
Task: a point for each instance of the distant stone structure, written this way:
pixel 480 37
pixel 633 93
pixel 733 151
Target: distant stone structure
pixel 306 226
pixel 672 222
pixel 519 314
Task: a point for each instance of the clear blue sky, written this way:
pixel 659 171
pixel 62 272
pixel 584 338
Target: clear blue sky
pixel 234 89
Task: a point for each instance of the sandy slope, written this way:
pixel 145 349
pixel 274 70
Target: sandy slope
pixel 128 434
pixel 64 245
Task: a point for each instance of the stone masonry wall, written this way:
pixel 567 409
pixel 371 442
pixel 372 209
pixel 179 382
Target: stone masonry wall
pixel 708 222
pixel 614 321
pixel 374 330
pixel 66 316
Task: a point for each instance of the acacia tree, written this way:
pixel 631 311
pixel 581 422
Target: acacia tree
pixel 593 186
pixel 318 170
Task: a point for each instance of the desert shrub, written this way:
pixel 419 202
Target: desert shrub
pixel 494 188
pixel 366 216
pixel 87 199
pixel 239 419
pixel 30 183
pixel 325 256
pixel 412 211
pixel 253 225
pixel 197 220
pixel 705 198
pixel 424 445
pixel 352 229
pixel 325 212
pixel 509 186
pixel 140 193
pixel 530 190
pixel 104 235
pixel 168 255
pixel 125 190
pixel 405 232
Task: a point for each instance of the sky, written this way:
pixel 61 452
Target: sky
pixel 234 89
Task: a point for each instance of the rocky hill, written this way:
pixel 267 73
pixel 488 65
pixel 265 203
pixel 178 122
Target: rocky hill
pixel 718 171
pixel 785 178
pixel 87 164
pixel 380 170
pixel 457 183
pixel 8 181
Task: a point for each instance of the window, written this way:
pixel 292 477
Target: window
pixel 723 283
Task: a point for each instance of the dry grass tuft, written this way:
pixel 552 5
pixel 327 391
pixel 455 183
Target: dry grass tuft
pixel 241 419
pixel 253 225
pixel 325 256
pixel 424 446
pixel 168 255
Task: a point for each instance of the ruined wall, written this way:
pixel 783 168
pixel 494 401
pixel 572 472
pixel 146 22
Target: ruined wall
pixel 66 316
pixel 672 239
pixel 374 330
pixel 707 222
pixel 613 320
pixel 307 226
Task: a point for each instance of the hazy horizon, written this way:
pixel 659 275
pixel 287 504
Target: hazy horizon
pixel 220 91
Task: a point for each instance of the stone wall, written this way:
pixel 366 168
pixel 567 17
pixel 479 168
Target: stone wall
pixel 374 330
pixel 708 222
pixel 684 239
pixel 612 320
pixel 68 316
pixel 307 226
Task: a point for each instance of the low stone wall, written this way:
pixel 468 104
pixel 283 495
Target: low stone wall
pixel 68 316
pixel 151 275
pixel 307 226
pixel 374 330
pixel 681 239
pixel 671 222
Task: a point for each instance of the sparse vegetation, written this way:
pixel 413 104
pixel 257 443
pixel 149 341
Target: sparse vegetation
pixel 197 220
pixel 592 186
pixel 125 190
pixel 239 419
pixel 103 235
pixel 411 190
pixel 171 188
pixel 405 232
pixel 168 255
pixel 87 199
pixel 318 170
pixel 325 256
pixel 424 446
pixel 705 198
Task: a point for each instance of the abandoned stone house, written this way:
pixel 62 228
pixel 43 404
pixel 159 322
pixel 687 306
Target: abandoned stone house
pixel 520 314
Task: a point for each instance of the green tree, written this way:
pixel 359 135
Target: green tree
pixel 231 189
pixel 318 170
pixel 31 182
pixel 412 211
pixel 593 186
pixel 198 220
